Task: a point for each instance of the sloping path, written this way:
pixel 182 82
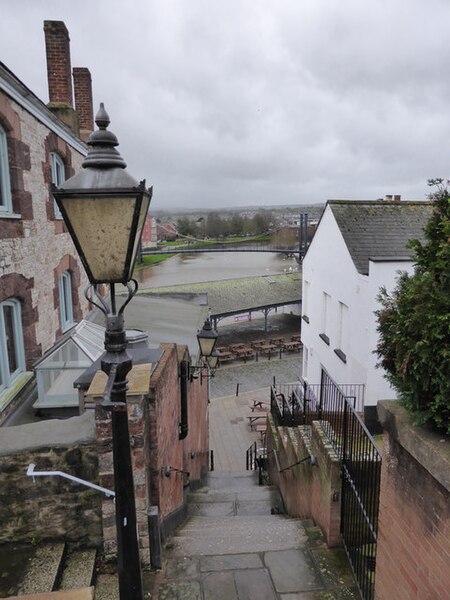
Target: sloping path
pixel 236 545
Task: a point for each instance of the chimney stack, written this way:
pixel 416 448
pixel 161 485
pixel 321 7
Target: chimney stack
pixel 82 83
pixel 59 73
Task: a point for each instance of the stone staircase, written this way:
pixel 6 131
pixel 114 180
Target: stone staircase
pixel 54 572
pixel 237 545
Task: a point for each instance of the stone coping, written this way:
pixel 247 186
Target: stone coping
pixel 429 448
pixel 54 432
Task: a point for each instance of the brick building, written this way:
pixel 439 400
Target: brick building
pixel 149 232
pixel 41 279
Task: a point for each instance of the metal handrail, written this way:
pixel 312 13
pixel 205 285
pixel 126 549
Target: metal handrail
pixel 32 473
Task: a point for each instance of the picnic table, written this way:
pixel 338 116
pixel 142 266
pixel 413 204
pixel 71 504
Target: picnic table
pixel 254 418
pixel 257 344
pixel 267 348
pixel 296 338
pixel 292 346
pixel 244 353
pixel 277 341
pixel 225 356
pixel 234 347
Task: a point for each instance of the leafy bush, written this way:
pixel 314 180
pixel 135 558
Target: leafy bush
pixel 414 323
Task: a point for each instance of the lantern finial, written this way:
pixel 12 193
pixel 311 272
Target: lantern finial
pixel 102 152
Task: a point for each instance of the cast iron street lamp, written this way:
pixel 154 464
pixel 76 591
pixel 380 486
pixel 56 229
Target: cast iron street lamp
pixel 104 209
pixel 207 339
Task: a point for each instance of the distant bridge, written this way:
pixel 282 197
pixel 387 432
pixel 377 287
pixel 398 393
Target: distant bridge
pixel 296 246
pixel 220 247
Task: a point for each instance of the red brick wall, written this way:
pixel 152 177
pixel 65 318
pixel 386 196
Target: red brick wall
pixel 59 72
pixel 154 439
pixel 166 450
pixel 413 555
pixel 196 443
pixel 308 491
pixel 83 98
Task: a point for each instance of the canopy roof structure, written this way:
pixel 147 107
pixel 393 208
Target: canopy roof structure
pixel 60 366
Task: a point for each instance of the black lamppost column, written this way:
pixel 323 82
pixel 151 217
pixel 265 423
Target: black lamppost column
pixel 104 209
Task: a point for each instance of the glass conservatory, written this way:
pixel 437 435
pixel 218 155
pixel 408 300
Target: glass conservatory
pixel 57 370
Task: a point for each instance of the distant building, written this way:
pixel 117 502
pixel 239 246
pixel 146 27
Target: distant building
pixel 358 248
pixel 41 278
pixel 149 232
pixel 167 231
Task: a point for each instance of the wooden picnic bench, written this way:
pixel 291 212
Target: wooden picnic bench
pixel 225 356
pixel 261 429
pixel 290 346
pixel 254 417
pixel 244 353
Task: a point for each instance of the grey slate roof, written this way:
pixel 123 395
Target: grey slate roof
pixel 379 229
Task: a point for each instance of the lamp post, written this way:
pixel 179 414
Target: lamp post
pixel 104 209
pixel 207 339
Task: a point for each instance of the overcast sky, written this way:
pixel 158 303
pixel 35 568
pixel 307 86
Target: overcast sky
pixel 258 102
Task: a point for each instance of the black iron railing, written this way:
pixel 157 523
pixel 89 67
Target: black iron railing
pixel 361 470
pixel 338 408
pixel 256 460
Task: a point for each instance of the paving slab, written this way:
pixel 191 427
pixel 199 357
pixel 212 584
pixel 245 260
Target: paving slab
pixel 231 562
pixel 80 594
pixel 254 585
pixel 219 586
pixel 182 568
pixel 292 571
pixel 184 590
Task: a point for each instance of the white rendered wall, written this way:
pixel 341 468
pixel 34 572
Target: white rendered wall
pixel 381 274
pixel 328 267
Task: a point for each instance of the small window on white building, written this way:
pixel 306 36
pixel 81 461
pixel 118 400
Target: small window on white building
pixel 12 356
pixel 305 362
pixel 65 301
pixel 5 184
pixel 58 177
pixel 324 335
pixel 342 332
pixel 305 302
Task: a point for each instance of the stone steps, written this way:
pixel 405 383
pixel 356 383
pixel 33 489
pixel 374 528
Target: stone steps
pixel 232 514
pixel 48 571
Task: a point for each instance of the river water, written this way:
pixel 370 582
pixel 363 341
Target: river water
pixel 214 266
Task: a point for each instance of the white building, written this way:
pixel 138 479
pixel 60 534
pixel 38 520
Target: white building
pixel 359 246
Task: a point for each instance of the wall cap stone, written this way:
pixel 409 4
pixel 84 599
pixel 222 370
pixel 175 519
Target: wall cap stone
pixel 55 432
pixel 429 448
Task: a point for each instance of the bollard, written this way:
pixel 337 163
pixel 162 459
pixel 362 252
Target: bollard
pixel 237 389
pixel 212 460
pixel 155 537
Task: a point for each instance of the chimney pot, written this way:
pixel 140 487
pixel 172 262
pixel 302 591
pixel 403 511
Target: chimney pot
pixel 83 101
pixel 59 71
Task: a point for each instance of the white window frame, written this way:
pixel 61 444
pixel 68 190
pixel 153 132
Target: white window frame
pixel 5 182
pixel 342 327
pixel 7 378
pixel 58 177
pixel 326 302
pixel 65 301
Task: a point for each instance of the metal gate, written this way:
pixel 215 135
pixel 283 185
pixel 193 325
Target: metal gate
pixel 361 469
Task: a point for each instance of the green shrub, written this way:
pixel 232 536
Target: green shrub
pixel 414 323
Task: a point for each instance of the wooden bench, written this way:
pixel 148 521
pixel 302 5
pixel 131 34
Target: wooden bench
pixel 261 429
pixel 255 417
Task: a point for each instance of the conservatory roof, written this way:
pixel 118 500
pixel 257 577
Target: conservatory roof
pixel 89 337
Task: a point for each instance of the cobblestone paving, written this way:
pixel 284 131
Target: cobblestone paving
pixel 253 375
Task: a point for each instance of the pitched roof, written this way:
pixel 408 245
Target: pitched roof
pixel 379 229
